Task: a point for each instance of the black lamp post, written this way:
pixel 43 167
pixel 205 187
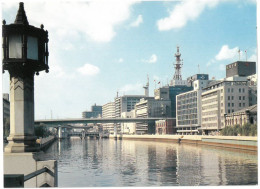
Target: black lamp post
pixel 25 52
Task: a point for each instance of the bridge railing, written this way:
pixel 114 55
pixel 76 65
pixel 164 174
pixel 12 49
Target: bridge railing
pixel 17 180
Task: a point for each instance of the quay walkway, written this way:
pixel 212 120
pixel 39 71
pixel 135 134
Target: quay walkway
pixel 236 142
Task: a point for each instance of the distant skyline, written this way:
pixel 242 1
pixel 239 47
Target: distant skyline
pixel 99 48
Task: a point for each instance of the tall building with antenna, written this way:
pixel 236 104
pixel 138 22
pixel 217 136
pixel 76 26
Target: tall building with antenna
pixel 177 78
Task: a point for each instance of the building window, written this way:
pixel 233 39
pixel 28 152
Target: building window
pixel 232 97
pixel 228 111
pixel 232 110
pixel 239 104
pixel 232 104
pixel 239 97
pixel 228 104
pixel 244 104
pixel 232 90
pixel 228 90
pixel 239 90
pixel 244 97
pixel 228 97
pixel 243 90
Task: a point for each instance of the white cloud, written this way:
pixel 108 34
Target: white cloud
pixel 67 19
pixel 156 78
pixel 137 22
pixel 253 58
pixel 152 59
pixel 212 61
pixel 183 12
pixel 226 53
pixel 88 69
pixel 131 88
pixel 120 60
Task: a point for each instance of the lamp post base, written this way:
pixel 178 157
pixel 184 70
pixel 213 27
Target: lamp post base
pixel 17 144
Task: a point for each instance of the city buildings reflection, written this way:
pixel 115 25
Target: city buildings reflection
pixel 106 162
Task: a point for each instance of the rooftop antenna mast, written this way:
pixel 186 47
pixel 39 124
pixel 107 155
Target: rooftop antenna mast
pixel 178 66
pixel 238 54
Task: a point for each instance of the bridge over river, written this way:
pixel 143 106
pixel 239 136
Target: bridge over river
pixel 68 123
pixel 97 120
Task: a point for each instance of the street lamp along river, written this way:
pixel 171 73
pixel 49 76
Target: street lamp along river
pixel 25 52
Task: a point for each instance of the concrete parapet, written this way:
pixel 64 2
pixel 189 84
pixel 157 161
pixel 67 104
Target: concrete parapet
pixel 46 178
pixel 26 163
pixel 45 142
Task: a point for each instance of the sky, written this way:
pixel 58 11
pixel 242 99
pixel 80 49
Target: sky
pixel 100 47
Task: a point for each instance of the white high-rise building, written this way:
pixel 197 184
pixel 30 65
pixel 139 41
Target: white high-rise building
pixel 219 98
pixel 108 111
pixel 151 107
pixel 188 108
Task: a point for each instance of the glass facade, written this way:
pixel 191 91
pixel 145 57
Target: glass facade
pixel 174 91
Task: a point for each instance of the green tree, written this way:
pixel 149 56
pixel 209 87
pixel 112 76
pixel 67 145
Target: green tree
pixel 245 130
pixel 41 131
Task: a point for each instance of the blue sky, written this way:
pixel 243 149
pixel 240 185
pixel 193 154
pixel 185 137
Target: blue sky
pixel 99 48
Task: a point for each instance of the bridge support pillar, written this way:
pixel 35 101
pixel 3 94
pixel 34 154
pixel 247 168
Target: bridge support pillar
pixel 59 133
pixel 115 131
pixel 83 134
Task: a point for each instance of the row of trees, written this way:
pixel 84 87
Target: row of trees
pixel 237 130
pixel 41 131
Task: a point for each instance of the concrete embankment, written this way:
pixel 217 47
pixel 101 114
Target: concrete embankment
pixel 238 142
pixel 45 142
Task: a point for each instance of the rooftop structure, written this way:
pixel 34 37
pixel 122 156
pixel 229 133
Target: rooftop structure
pixel 96 111
pixel 240 68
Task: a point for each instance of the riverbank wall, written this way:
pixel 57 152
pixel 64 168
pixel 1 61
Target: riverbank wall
pixel 44 143
pixel 237 142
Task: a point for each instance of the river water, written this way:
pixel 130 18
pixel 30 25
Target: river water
pixel 107 162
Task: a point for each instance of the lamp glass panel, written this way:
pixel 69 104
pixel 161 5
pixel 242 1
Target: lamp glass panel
pixel 32 48
pixel 15 46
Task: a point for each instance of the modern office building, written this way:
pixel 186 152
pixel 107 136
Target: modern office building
pixel 220 98
pixel 188 117
pixel 173 92
pixel 125 103
pixel 151 107
pixel 108 111
pixel 170 93
pixel 252 84
pixel 96 111
pixel 128 128
pixel 241 68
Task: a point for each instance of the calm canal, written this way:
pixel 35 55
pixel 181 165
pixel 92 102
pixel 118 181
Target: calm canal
pixel 107 162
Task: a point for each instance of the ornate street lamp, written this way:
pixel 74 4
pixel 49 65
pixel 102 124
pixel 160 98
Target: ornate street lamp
pixel 25 47
pixel 25 52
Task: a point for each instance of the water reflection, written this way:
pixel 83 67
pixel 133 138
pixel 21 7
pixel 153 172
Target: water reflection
pixel 106 162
